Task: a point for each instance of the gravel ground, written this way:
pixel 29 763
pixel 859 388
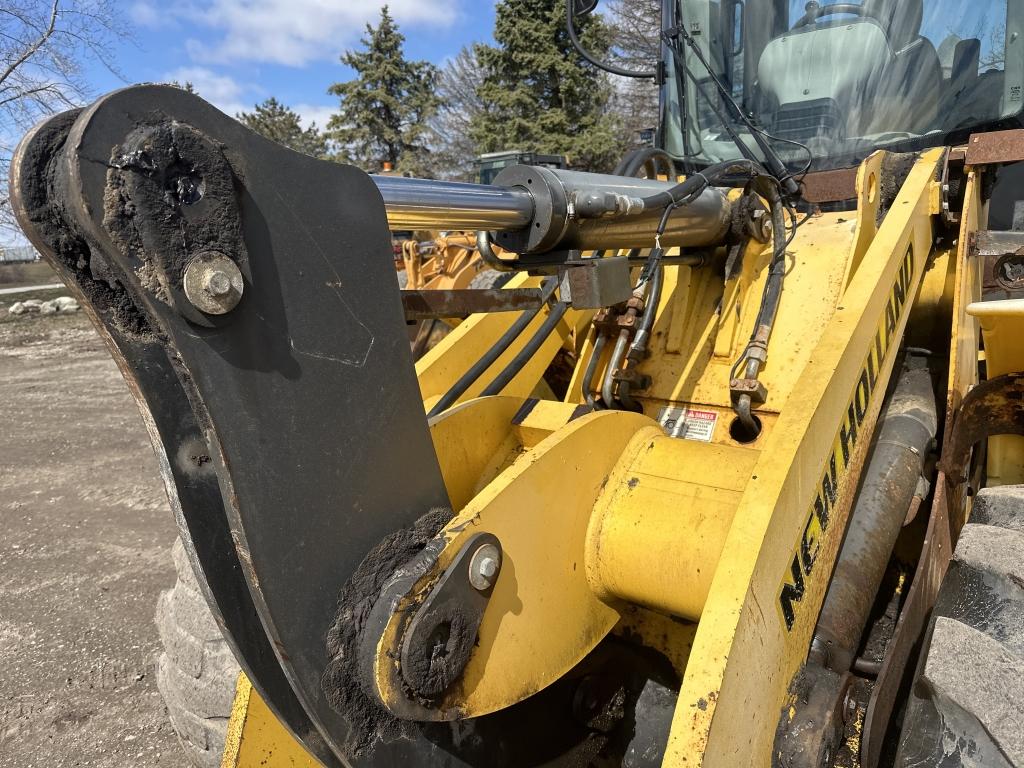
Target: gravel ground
pixel 84 552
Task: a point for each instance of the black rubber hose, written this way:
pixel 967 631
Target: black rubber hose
pixel 466 380
pixel 694 184
pixel 529 350
pixel 570 24
pixel 637 159
pixel 777 270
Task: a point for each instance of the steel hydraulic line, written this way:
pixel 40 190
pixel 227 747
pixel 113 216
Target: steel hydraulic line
pixel 636 350
pixel 588 375
pixel 608 385
pixel 648 289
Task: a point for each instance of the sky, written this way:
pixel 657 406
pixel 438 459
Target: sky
pixel 239 52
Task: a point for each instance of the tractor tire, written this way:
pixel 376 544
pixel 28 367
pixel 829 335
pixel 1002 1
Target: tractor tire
pixel 490 278
pixel 196 673
pixel 966 707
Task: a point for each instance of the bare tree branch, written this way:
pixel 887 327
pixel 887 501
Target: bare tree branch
pixel 39 43
pixel 45 48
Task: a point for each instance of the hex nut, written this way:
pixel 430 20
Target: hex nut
pixel 213 283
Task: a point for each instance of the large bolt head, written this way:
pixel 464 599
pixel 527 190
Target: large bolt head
pixel 213 283
pixel 218 283
pixel 484 567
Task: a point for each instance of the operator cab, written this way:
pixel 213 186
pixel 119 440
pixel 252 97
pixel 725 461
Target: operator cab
pixel 843 79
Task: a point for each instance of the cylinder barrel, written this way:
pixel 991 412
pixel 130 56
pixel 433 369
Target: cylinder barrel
pixel 907 427
pixel 531 210
pixel 703 222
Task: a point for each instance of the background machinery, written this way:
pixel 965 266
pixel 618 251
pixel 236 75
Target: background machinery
pixel 775 519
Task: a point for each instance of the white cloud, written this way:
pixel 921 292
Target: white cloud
pixel 314 113
pixel 222 91
pixel 295 32
pixel 144 13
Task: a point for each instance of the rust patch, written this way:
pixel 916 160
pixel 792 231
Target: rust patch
pixel 830 186
pixel 995 147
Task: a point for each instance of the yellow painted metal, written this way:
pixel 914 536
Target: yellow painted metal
pixel 542 618
pixel 684 366
pixel 966 331
pixel 256 738
pixel 451 262
pixel 963 364
pixel 667 635
pixel 439 368
pixel 477 440
pixel 746 651
pixel 732 306
pixel 662 506
pixel 474 443
pixel 869 176
pixel 744 537
pixel 1002 327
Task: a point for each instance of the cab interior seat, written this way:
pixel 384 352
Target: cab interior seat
pixel 834 76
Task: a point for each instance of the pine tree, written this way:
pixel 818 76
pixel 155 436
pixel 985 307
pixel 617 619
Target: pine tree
pixel 281 124
pixel 384 111
pixel 539 94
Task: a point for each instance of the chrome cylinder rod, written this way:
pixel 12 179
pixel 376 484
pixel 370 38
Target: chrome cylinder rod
pixel 425 204
pixel 534 210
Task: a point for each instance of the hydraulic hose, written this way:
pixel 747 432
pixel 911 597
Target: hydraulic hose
pixel 695 184
pixel 570 24
pixel 756 351
pixel 464 382
pixel 529 350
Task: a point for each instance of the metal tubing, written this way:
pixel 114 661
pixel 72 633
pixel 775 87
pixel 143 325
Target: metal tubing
pixel 907 429
pixel 426 204
pixel 588 375
pixel 618 353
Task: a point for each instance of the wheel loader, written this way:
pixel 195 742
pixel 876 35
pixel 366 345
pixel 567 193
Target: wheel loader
pixel 776 520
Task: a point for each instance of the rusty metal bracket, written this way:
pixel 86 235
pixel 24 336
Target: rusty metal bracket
pixel 1003 263
pixel 830 186
pixel 437 304
pixel 995 147
pixel 994 407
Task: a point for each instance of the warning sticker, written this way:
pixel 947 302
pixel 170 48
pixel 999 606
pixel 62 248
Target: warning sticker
pixel 688 423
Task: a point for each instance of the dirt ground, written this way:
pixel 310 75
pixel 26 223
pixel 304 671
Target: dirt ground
pixel 85 537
